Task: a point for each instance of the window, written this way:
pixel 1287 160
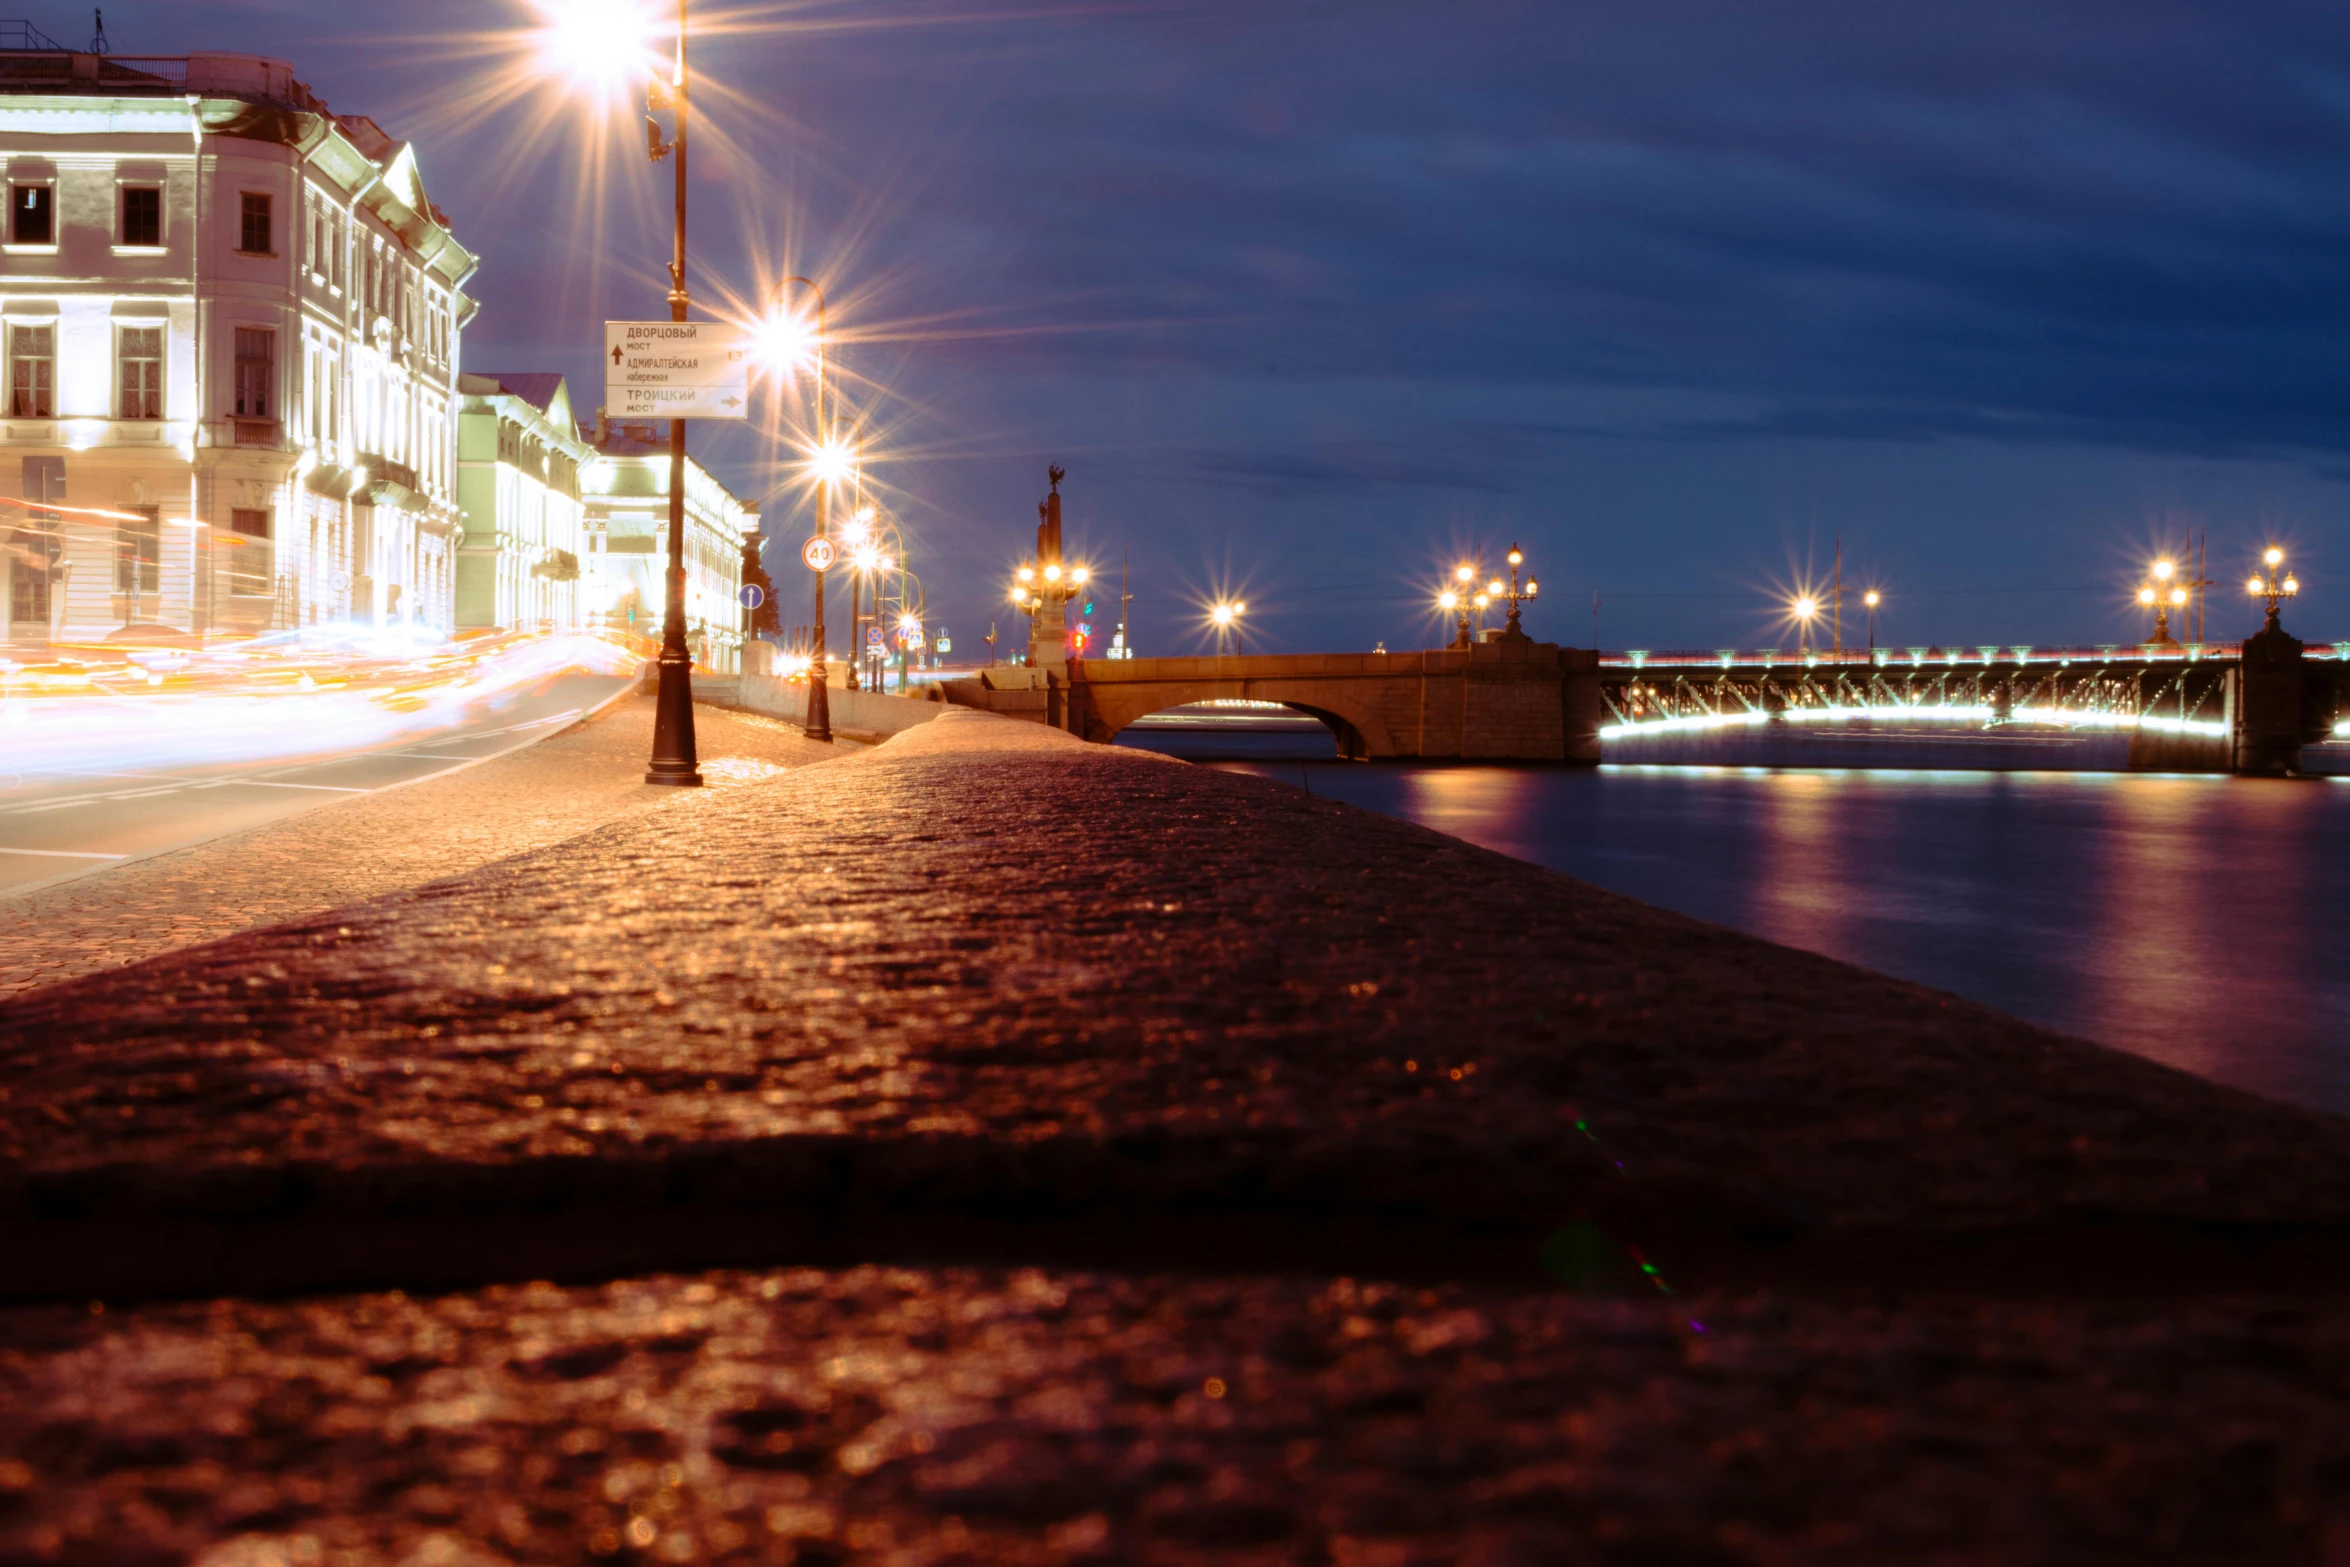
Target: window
pixel 256 372
pixel 32 367
pixel 255 239
pixel 32 215
pixel 142 373
pixel 142 215
pixel 138 551
pixel 249 566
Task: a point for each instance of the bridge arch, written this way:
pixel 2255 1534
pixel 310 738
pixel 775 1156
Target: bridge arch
pixel 1108 707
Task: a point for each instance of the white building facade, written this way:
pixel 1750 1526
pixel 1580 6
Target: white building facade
pixel 230 321
pixel 523 540
pixel 626 494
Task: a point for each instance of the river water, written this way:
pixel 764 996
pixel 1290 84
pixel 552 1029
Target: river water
pixel 2202 921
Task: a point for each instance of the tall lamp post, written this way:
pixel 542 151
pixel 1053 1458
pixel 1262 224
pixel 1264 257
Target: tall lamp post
pixel 1807 610
pixel 819 715
pixel 1872 598
pixel 2272 587
pixel 674 760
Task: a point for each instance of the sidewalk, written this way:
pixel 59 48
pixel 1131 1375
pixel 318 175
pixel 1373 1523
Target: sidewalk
pixel 363 848
pixel 1046 1113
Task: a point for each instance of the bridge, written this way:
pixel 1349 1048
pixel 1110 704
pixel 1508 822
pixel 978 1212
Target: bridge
pixel 2244 707
pixel 1498 701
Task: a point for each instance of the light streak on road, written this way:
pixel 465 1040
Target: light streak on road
pixel 316 693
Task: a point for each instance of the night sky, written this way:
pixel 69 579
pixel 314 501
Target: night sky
pixel 1309 298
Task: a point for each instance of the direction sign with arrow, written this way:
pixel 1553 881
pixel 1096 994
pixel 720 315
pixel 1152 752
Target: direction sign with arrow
pixel 677 370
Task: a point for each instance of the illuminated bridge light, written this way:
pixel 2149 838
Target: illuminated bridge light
pixel 1696 721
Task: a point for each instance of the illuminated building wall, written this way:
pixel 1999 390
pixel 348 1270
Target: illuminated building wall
pixel 522 545
pixel 626 492
pixel 229 325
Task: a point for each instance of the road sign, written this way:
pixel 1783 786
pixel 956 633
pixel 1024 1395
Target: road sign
pixel 818 553
pixel 751 596
pixel 873 637
pixel 677 370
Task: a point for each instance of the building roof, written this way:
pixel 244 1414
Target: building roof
pixel 252 98
pixel 539 388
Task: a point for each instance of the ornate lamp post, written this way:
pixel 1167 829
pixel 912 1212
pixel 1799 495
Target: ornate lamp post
pixel 1458 597
pixel 2272 587
pixel 1513 632
pixel 1225 617
pixel 2163 595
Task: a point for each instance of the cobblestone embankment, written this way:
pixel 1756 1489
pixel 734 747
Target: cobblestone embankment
pixel 1126 1074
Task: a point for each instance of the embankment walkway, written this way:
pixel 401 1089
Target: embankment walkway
pixel 997 1147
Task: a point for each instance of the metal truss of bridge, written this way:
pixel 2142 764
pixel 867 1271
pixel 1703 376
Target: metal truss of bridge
pixel 2179 705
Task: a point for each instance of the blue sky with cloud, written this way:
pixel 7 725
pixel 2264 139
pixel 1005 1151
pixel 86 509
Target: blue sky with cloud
pixel 1309 297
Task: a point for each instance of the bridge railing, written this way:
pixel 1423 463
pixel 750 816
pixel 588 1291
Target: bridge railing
pixel 1933 657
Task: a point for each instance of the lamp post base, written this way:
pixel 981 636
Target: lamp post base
pixel 674 762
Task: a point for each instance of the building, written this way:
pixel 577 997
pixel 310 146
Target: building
pixel 231 322
pixel 519 456
pixel 626 493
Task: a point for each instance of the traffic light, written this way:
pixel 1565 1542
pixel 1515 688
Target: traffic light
pixel 1077 642
pixel 1089 609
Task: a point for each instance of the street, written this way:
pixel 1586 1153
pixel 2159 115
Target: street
pixel 59 820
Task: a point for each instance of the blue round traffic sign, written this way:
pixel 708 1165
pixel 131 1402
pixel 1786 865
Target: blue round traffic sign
pixel 751 596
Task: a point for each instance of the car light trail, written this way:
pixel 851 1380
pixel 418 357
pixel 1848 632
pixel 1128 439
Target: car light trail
pixel 318 693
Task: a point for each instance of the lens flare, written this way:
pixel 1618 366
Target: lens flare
pixel 603 46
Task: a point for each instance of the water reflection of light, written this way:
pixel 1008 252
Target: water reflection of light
pixel 1492 807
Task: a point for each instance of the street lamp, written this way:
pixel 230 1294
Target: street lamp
pixel 2272 587
pixel 787 345
pixel 1458 597
pixel 1226 617
pixel 603 43
pixel 1872 598
pixel 1807 610
pixel 1514 632
pixel 2162 595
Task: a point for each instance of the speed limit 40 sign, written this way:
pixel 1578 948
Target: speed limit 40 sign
pixel 818 552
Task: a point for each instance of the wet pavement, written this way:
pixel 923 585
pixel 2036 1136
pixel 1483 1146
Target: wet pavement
pixel 1122 1159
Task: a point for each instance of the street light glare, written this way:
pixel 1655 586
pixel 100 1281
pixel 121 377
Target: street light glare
pixel 2252 585
pixel 2275 557
pixel 833 462
pixel 2162 570
pixel 603 45
pixel 1221 615
pixel 1464 573
pixel 1448 599
pixel 2146 595
pixel 786 342
pixel 1806 607
pixel 1872 598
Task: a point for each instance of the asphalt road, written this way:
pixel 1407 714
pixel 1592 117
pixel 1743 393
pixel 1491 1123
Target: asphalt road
pixel 60 823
